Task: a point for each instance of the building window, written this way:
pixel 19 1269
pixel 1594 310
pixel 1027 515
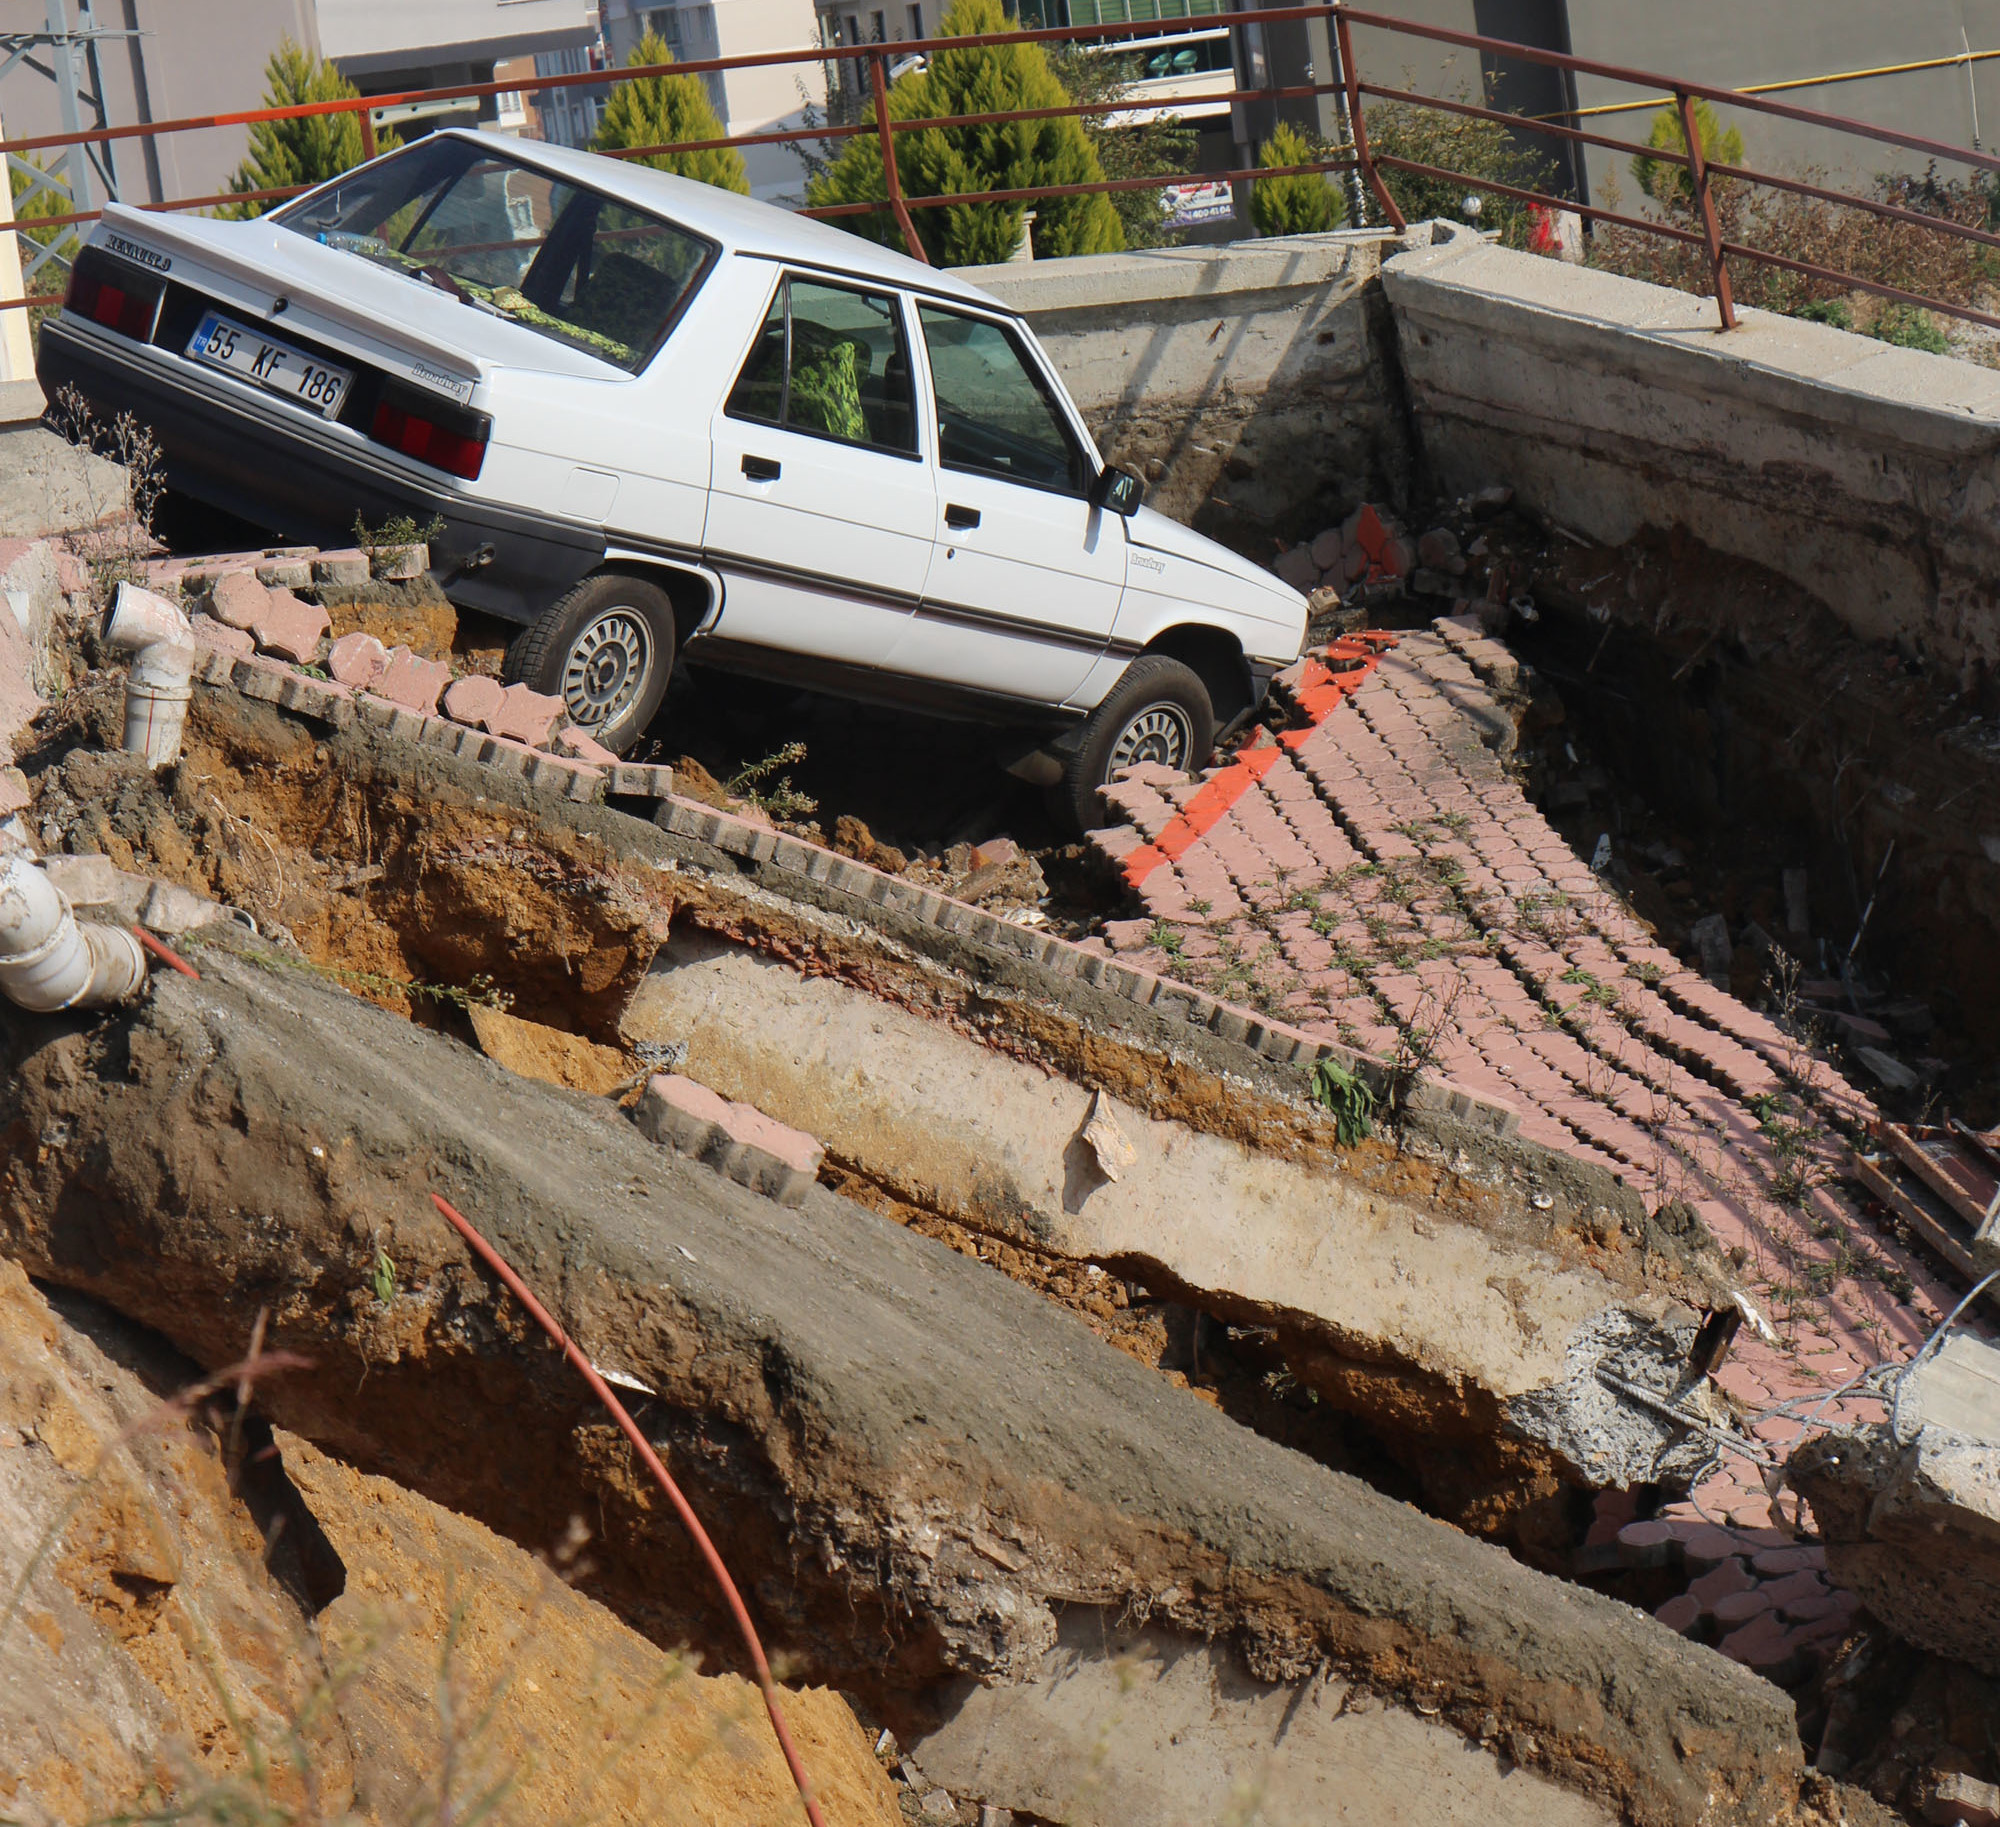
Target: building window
pixel 666 21
pixel 916 22
pixel 880 22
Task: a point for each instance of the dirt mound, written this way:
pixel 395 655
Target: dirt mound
pixel 163 1652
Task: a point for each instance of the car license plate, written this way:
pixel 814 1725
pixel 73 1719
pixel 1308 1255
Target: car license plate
pixel 222 342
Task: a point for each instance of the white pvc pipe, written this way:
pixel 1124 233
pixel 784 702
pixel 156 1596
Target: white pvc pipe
pixel 137 618
pixel 48 961
pixel 156 699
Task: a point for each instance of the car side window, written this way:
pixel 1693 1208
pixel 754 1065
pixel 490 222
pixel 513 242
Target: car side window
pixel 832 361
pixel 996 416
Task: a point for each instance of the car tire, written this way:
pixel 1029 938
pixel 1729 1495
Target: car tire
pixel 607 650
pixel 1158 711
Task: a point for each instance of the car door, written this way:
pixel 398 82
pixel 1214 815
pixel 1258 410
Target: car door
pixel 1025 574
pixel 821 504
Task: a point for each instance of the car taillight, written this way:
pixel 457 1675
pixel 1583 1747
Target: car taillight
pixel 427 441
pixel 128 309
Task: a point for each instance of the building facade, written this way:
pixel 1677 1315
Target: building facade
pixel 773 99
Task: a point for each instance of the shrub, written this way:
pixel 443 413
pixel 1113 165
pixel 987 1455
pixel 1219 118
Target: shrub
pixel 1139 149
pixel 1672 185
pixel 1303 203
pixel 310 149
pixel 1011 155
pixel 1457 142
pixel 664 111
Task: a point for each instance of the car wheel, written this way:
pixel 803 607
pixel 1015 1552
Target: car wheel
pixel 1158 711
pixel 606 650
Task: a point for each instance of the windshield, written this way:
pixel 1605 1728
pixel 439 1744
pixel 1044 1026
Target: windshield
pixel 505 238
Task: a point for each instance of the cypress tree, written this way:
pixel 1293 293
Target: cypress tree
pixel 663 111
pixel 306 150
pixel 1012 155
pixel 1303 203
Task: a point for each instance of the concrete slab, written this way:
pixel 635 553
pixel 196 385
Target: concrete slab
pixel 1135 1728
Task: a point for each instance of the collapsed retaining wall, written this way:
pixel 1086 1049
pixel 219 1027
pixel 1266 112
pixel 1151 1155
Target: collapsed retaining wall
pixel 868 1414
pixel 1268 386
pixel 1243 382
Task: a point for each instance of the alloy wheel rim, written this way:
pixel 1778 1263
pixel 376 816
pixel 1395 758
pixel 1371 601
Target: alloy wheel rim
pixel 606 668
pixel 1160 732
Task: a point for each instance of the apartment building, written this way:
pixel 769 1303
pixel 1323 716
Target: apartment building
pixel 775 98
pixel 158 61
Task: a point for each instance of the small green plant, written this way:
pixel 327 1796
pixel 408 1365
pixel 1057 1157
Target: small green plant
pixel 1908 327
pixel 481 992
pixel 1834 312
pixel 1201 907
pixel 1346 1096
pixel 779 799
pixel 1167 938
pixel 393 541
pixel 383 1276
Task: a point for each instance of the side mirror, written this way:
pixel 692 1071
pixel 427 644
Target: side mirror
pixel 1117 491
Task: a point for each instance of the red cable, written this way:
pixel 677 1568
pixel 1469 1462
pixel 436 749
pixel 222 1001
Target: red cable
pixel 643 1447
pixel 165 953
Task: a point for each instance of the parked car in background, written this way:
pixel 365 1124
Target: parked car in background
pixel 654 421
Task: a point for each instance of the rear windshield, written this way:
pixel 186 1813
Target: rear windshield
pixel 505 238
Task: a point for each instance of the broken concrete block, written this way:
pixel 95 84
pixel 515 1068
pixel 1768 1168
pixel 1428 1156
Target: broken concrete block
pixel 1438 550
pixel 286 573
pixel 357 660
pixel 411 682
pixel 1798 904
pixel 221 636
pixel 473 699
pixel 524 714
pixel 88 881
pixel 343 568
pixel 1327 548
pixel 1965 1800
pixel 640 780
pixel 1295 565
pixel 14 794
pixel 171 909
pixel 400 564
pixel 290 627
pixel 736 1139
pixel 1111 1146
pixel 238 599
pixel 1681 1613
pixel 1710 937
pixel 574 743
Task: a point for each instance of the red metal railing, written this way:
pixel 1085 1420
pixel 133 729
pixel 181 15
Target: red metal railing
pixel 1351 89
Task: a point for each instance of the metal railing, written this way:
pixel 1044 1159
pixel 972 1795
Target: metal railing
pixel 1350 92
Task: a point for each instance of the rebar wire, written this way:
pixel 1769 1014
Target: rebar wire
pixel 644 1448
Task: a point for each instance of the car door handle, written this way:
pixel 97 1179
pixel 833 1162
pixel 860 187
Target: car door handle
pixel 762 469
pixel 961 517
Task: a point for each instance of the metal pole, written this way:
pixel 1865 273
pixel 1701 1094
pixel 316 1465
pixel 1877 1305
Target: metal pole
pixel 1705 200
pixel 62 55
pixel 1352 78
pixel 367 115
pixel 1344 112
pixel 880 81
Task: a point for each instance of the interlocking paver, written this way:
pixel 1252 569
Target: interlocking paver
pixel 1384 873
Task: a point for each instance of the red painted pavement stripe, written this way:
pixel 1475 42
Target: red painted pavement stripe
pixel 1319 694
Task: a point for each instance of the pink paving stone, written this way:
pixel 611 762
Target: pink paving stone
pixel 1645 1544
pixel 473 699
pixel 1713 1545
pixel 411 682
pixel 357 660
pixel 574 742
pixel 1721 1582
pixel 526 715
pixel 238 599
pixel 1811 1607
pixel 1775 1563
pixel 219 635
pixel 289 627
pixel 1681 1613
pixel 1792 1588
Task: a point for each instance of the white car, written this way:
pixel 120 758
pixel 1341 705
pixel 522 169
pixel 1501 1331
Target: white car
pixel 660 421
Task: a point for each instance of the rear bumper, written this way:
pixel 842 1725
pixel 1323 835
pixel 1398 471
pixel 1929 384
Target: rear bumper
pixel 252 461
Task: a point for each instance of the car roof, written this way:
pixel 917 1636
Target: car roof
pixel 740 224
